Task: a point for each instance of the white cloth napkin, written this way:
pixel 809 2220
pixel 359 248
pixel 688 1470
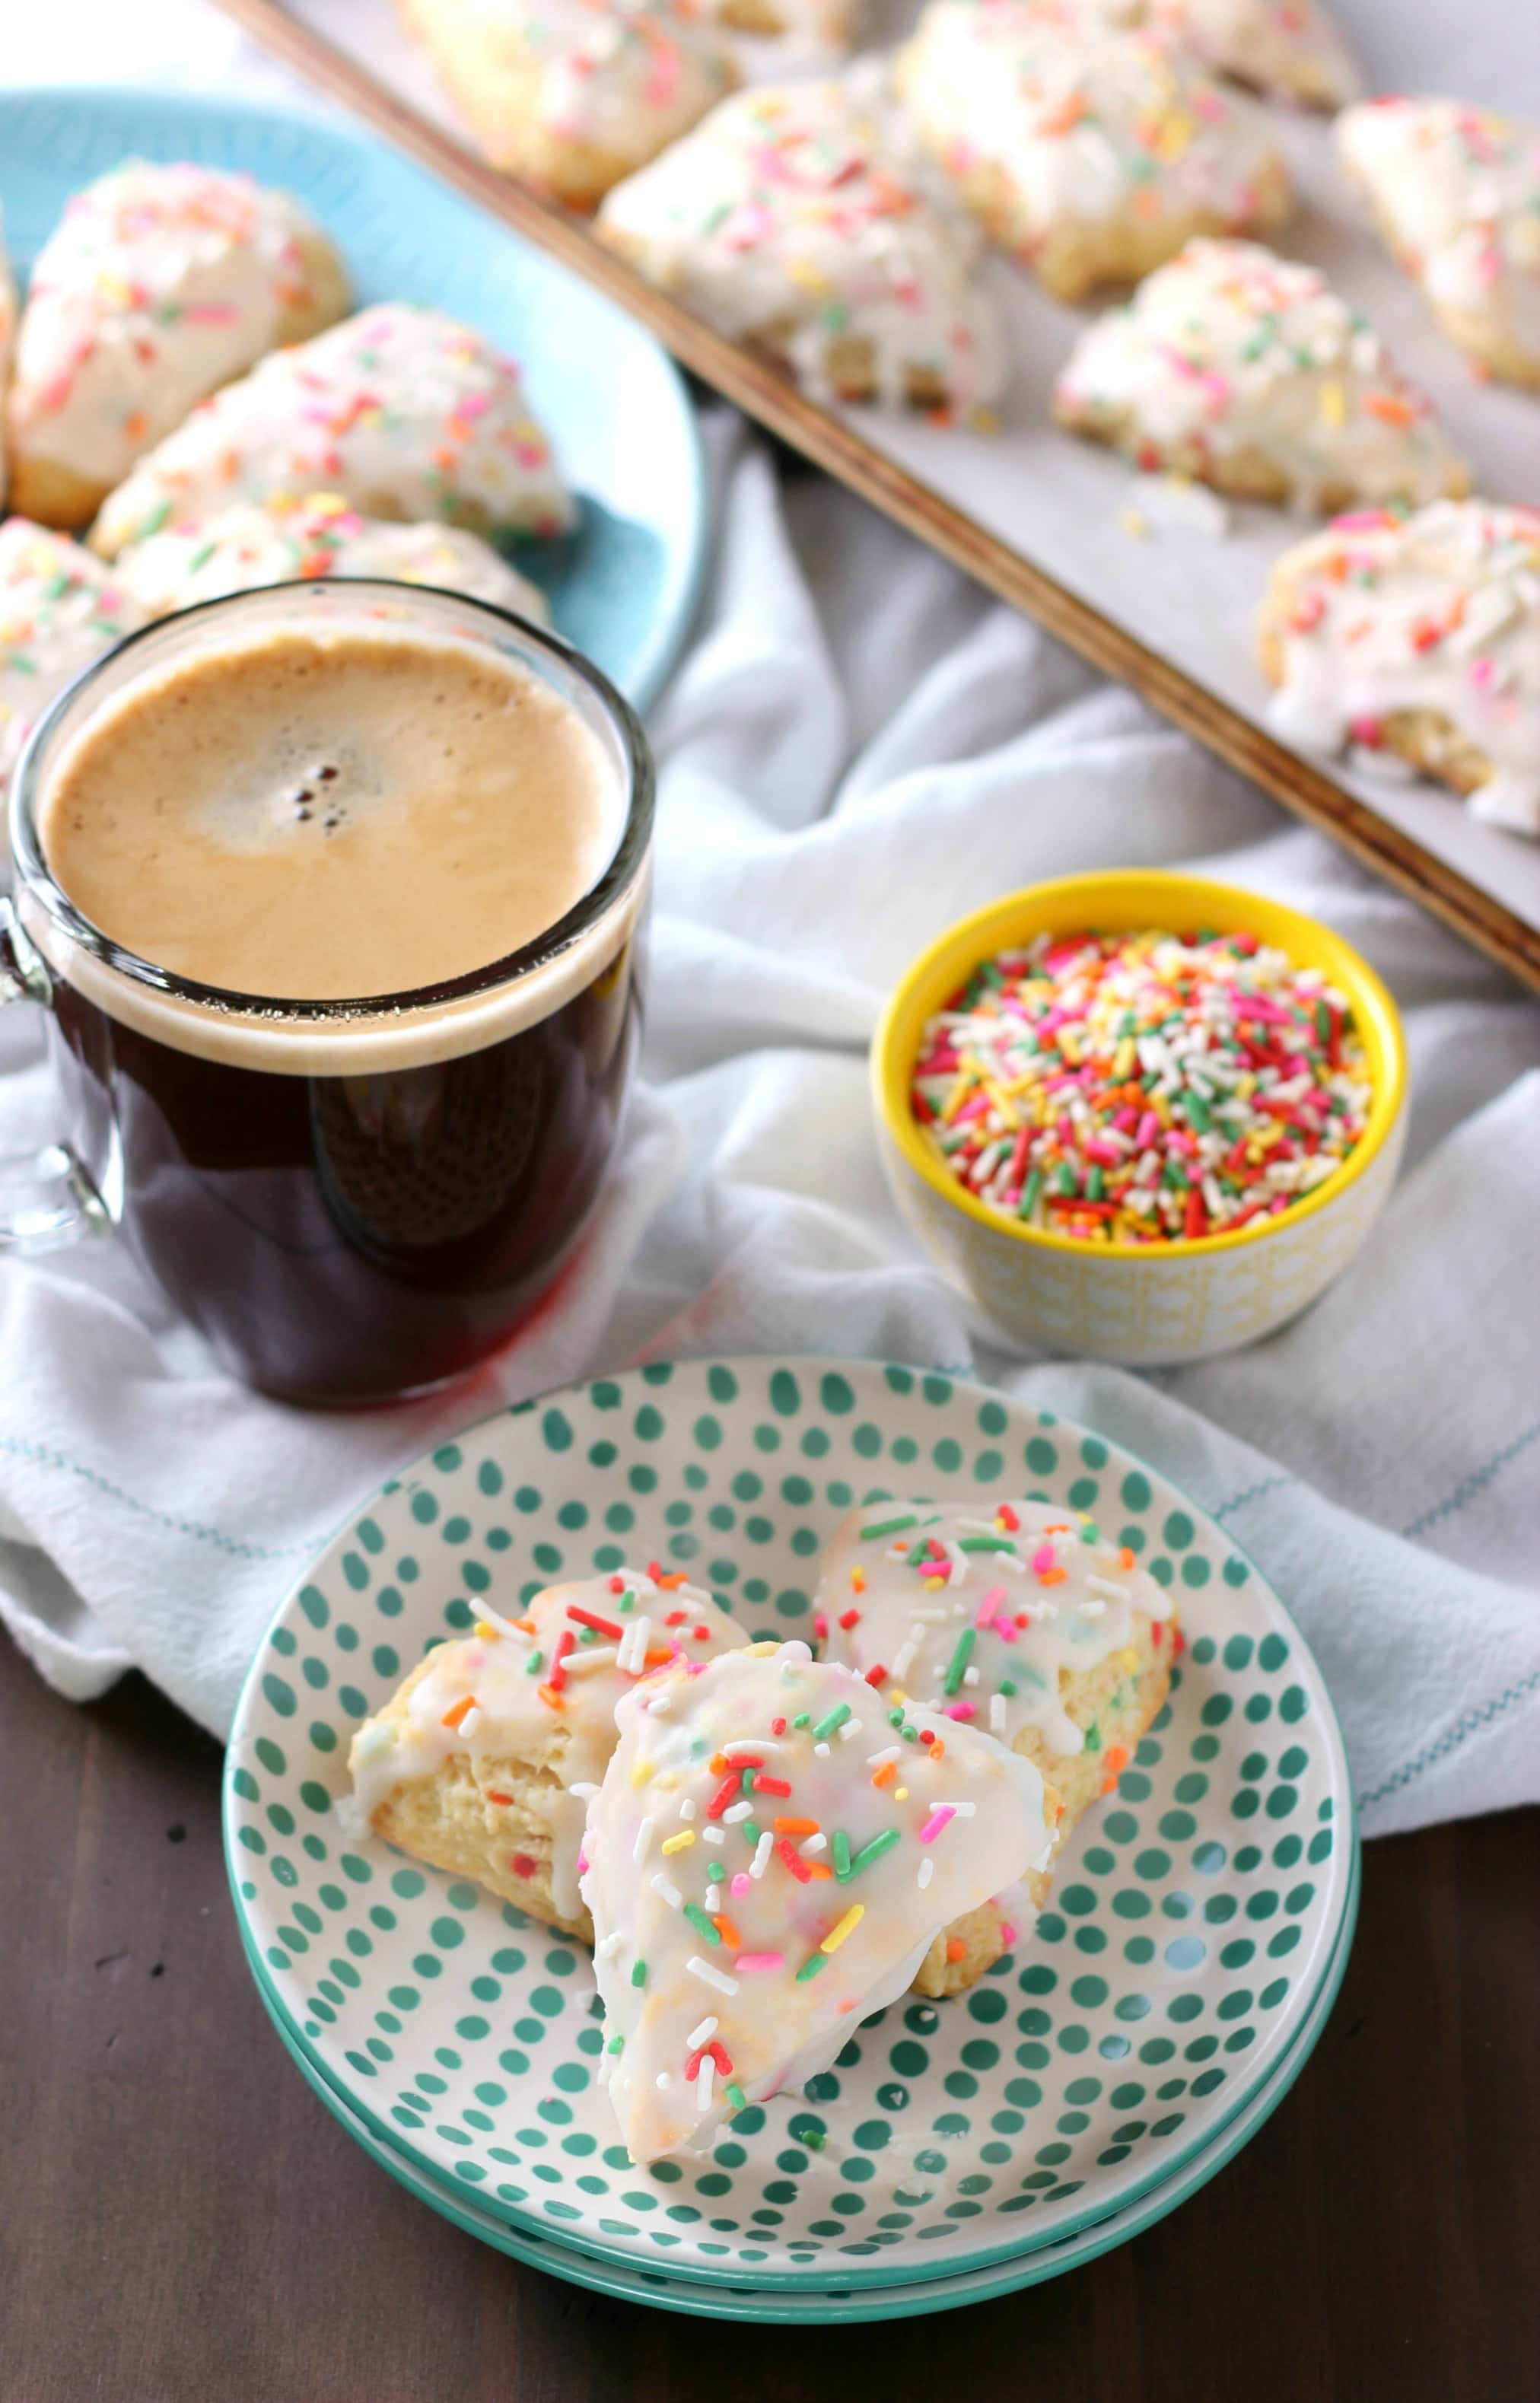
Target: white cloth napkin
pixel 859 748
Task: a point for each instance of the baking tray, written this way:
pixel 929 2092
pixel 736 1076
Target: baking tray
pixel 1040 518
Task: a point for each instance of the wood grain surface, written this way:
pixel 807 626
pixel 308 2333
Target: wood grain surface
pixel 182 2222
pixel 766 394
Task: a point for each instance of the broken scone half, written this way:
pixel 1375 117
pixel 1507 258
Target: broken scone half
pixel 1018 1618
pixel 772 1854
pixel 1247 372
pixel 485 1759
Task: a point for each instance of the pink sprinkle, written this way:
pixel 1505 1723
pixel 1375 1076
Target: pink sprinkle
pixel 1004 1630
pixel 1008 1934
pixel 739 1884
pixel 939 1816
pixel 1149 1131
pixel 758 1960
pixel 1044 1559
pixel 963 1711
pixel 990 1605
pixel 819 1625
pixel 582 1862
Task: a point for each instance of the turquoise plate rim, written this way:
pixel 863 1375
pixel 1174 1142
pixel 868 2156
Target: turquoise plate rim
pixel 793 2281
pixel 684 563
pixel 912 2300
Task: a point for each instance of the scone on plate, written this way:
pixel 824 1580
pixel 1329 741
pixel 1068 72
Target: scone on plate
pixel 769 1857
pixel 403 413
pixel 570 95
pixel 159 285
pixel 1017 1617
pixel 1419 638
pixel 285 541
pixel 786 220
pixel 1091 154
pixel 485 1759
pixel 1456 192
pixel 1247 370
pixel 60 609
pixel 1292 49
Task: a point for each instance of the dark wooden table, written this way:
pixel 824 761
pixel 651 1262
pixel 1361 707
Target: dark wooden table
pixel 179 2216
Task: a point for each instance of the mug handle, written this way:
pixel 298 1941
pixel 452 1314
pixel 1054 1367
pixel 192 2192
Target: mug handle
pixel 46 1198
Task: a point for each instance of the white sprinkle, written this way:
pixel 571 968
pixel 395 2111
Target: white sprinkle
pixel 737 1810
pixel 583 1790
pixel 662 2081
pixel 710 1835
pixel 666 1887
pixel 998 1715
pixel 590 1657
pixel 970 1676
pixel 472 1721
pixel 610 1946
pixel 643 1838
pixel 1107 1589
pixel 710 1976
pixel 849 1730
pixel 751 1743
pixel 687 1808
pixel 932 1617
pixel 661 1705
pixel 964 1810
pixel 821 1750
pixel 705 2078
pixel 818 1843
pixel 631 1651
pixel 903 1663
pixel 762 1851
pixel 1092 1609
pixel 927 1870
pixel 702 2034
pixel 889 1751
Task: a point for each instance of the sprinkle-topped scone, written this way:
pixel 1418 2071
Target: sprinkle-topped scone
pixel 1021 1618
pixel 60 609
pixel 1456 192
pixel 785 219
pixel 1093 156
pixel 571 95
pixel 402 412
pixel 1289 49
pixel 1419 637
pixel 290 542
pixel 485 1760
pixel 1247 370
pixel 160 284
pixel 769 1857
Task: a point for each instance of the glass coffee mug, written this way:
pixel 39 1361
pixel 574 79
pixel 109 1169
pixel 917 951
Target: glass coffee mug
pixel 353 1201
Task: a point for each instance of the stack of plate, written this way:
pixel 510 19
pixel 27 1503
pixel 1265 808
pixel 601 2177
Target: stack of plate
pixel 1195 1940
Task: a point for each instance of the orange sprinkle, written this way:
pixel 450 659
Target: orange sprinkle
pixel 956 1948
pixel 656 1655
pixel 1051 1576
pixel 526 1623
pixel 505 1799
pixel 858 1580
pixel 457 1710
pixel 717 1764
pixel 795 1826
pixel 1118 1758
pixel 728 1932
pixel 817 1868
pixel 1125 1557
pixel 886 1776
pixel 549 1695
pixel 672 1583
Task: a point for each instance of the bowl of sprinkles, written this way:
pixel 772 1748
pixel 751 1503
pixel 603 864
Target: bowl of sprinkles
pixel 1141 1117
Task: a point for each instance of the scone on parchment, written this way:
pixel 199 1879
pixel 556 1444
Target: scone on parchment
pixel 485 1759
pixel 567 95
pixel 1417 637
pixel 1456 192
pixel 787 220
pixel 1291 49
pixel 160 284
pixel 60 609
pixel 1093 156
pixel 1248 371
pixel 400 411
pixel 1018 1618
pixel 769 1857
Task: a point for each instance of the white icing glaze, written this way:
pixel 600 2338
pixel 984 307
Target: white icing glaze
pixel 970 1821
pixel 159 285
pixel 543 1691
pixel 1232 349
pixel 288 541
pixel 626 79
pixel 1088 127
pixel 1440 612
pixel 60 609
pixel 401 412
pixel 1458 192
pixel 983 1626
pixel 788 217
pixel 1289 46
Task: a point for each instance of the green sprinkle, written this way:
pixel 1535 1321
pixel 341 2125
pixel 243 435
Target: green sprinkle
pixel 1090 1532
pixel 697 1918
pixel 587 1635
pixel 746 1781
pixel 985 1544
pixel 874 1851
pixel 895 1718
pixel 1029 1192
pixel 1010 1685
pixel 737 2097
pixel 811 1966
pixel 814 2138
pixel 628 1600
pixel 155 521
pixel 921 1552
pixel 802 1718
pixel 1093 1739
pixel 1065 1180
pixel 830 1720
pixel 615 2044
pixel 751 1831
pixel 958 1662
pixel 1198 1113
pixel 536 1662
pixel 201 557
pixel 639 1973
pixel 888 1527
pixel 841 1855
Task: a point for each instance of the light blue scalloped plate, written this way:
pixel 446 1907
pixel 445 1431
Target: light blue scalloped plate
pixel 622 588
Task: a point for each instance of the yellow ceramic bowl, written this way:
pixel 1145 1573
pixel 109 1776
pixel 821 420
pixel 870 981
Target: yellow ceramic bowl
pixel 1136 1303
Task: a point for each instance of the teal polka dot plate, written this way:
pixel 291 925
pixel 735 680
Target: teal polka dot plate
pixel 1194 1919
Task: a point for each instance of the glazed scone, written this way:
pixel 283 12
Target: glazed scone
pixel 1018 1618
pixel 785 219
pixel 1093 156
pixel 484 1760
pixel 1248 371
pixel 571 96
pixel 402 412
pixel 292 542
pixel 161 283
pixel 769 1857
pixel 1456 192
pixel 1291 49
pixel 60 609
pixel 1419 637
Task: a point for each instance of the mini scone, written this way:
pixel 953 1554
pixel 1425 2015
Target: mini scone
pixel 571 95
pixel 1019 1617
pixel 60 609
pixel 1289 49
pixel 402 412
pixel 1247 370
pixel 771 1853
pixel 160 285
pixel 786 220
pixel 1092 155
pixel 1419 637
pixel 486 1758
pixel 1456 192
pixel 292 541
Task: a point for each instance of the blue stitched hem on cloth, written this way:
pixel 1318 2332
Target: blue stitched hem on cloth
pixel 44 1456
pixel 1450 1740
